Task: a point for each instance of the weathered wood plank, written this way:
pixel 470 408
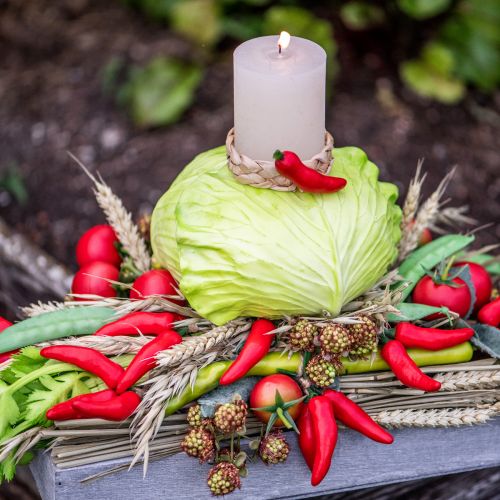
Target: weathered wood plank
pixel 358 463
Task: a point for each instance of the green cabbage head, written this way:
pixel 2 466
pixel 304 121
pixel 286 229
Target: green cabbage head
pixel 241 251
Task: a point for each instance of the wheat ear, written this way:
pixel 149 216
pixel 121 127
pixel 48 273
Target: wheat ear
pixel 469 380
pixel 120 220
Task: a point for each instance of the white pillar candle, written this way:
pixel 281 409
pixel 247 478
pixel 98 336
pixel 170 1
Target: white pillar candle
pixel 279 98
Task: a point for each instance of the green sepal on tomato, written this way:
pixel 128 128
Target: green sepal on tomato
pixel 277 401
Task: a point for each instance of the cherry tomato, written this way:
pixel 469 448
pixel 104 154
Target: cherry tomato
pixel 490 313
pixel 264 394
pixel 425 237
pixel 155 282
pixel 98 244
pixel 4 324
pixel 93 279
pixel 481 281
pixel 455 299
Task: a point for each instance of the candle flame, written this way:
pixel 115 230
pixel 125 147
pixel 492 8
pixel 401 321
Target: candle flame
pixel 283 40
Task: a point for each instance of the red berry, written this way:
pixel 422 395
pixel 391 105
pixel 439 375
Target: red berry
pixel 425 237
pixel 98 244
pixel 455 299
pixel 481 281
pixel 93 279
pixel 155 282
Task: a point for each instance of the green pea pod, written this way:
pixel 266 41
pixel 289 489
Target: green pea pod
pixel 208 377
pixel 422 260
pixel 73 321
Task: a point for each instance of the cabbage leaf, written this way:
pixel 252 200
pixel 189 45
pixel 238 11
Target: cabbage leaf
pixel 241 251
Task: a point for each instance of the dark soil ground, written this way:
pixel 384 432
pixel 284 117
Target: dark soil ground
pixel 53 56
pixel 52 101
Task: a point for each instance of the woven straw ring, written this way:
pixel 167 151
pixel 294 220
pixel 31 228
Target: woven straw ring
pixel 263 174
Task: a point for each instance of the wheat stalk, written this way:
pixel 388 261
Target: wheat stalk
pixel 110 346
pixel 21 443
pixel 42 308
pixel 426 216
pixel 448 417
pixel 451 216
pixel 121 221
pixel 412 199
pixel 468 380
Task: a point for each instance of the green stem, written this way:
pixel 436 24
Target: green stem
pixel 446 271
pixel 282 417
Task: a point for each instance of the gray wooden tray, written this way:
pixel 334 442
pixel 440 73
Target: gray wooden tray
pixel 358 463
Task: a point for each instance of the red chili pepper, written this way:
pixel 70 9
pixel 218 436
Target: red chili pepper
pixel 256 346
pixel 306 437
pixel 65 410
pixel 288 164
pixel 145 359
pixel 490 313
pixel 432 339
pixel 116 409
pixel 4 324
pixel 145 323
pixel 351 415
pixel 325 436
pixel 405 369
pixel 87 359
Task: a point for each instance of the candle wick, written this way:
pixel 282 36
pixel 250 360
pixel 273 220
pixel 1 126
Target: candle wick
pixel 279 48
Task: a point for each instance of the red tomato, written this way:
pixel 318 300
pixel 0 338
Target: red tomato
pixel 481 281
pixel 4 324
pixel 429 293
pixel 425 237
pixel 155 282
pixel 98 244
pixel 490 313
pixel 264 394
pixel 92 279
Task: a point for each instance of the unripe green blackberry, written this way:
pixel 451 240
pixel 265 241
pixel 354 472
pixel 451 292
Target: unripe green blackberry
pixel 302 335
pixel 334 339
pixel 364 337
pixel 273 448
pixel 194 417
pixel 224 478
pixel 321 371
pixel 230 417
pixel 199 443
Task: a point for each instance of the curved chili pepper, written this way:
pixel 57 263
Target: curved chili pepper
pixel 65 410
pixel 405 369
pixel 87 359
pixel 432 339
pixel 490 313
pixel 145 323
pixel 325 436
pixel 256 346
pixel 306 437
pixel 289 165
pixel 116 409
pixel 351 415
pixel 145 359
pixel 4 323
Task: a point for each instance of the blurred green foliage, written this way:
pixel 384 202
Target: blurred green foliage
pixel 160 92
pixel 455 44
pixel 13 183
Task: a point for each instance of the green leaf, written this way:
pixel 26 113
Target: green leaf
pixel 425 258
pixel 423 9
pixel 361 15
pixel 302 23
pixel 412 312
pixel 425 81
pixel 9 409
pixel 270 423
pixel 159 93
pixel 465 275
pixel 487 338
pixel 197 20
pixel 13 182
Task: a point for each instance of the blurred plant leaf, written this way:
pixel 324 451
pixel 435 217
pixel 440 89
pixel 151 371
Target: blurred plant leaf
pixel 243 27
pixel 423 9
pixel 424 80
pixel 155 9
pixel 13 182
pixel 361 15
pixel 438 57
pixel 110 74
pixel 301 22
pixel 197 20
pixel 160 92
